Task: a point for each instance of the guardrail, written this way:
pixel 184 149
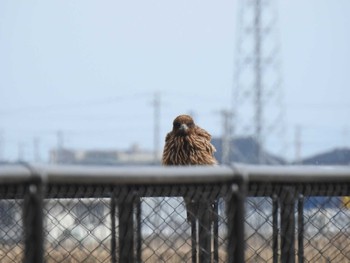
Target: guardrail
pixel 241 213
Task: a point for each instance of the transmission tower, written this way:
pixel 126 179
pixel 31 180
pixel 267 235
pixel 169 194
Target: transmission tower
pixel 257 99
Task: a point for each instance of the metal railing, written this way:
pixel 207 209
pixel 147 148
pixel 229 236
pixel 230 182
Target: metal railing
pixel 181 214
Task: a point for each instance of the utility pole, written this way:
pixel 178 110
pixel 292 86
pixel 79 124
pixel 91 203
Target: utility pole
pixel 226 139
pixel 36 152
pixel 60 145
pixel 345 137
pixel 297 144
pixel 21 151
pixel 156 131
pixel 193 114
pixel 60 140
pixel 2 145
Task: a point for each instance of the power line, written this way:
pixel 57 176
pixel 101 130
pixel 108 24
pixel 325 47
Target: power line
pixel 72 105
pixel 318 106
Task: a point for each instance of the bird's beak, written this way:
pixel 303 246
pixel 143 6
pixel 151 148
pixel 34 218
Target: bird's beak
pixel 183 127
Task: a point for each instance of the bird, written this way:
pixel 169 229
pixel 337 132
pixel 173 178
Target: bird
pixel 188 144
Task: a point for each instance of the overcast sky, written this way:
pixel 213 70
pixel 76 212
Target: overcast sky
pixel 90 69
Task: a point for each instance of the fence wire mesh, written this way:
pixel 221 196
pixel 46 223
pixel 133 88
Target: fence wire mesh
pixel 136 224
pixel 297 223
pixel 283 222
pixel 13 198
pixel 11 231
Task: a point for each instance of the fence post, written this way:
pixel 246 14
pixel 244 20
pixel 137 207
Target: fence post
pixel 216 231
pixel 275 228
pixel 139 229
pixel 113 231
pixel 301 229
pixel 235 215
pixel 126 226
pixel 33 221
pixel 204 233
pixel 287 199
pixel 194 239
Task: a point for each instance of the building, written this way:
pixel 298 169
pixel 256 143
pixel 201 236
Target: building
pixel 133 156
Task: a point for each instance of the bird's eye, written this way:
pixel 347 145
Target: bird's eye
pixel 190 124
pixel 177 124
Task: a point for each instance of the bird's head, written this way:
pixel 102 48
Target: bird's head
pixel 183 125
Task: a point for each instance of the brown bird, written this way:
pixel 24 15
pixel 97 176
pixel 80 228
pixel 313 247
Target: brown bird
pixel 188 144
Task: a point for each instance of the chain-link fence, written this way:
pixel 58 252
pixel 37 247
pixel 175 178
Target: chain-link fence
pixel 117 217
pixel 301 222
pixel 100 223
pixel 217 215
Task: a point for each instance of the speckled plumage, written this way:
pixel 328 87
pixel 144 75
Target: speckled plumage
pixel 188 146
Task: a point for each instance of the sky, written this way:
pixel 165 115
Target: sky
pixel 85 73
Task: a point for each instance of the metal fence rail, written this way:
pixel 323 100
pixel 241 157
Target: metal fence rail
pixel 190 214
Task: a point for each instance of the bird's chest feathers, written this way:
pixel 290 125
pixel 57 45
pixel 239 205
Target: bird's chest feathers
pixel 188 151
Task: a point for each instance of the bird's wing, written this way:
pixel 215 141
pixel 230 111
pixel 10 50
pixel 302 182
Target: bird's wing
pixel 166 158
pixel 204 150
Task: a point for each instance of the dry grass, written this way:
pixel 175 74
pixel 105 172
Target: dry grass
pixel 10 254
pixel 151 254
pixel 335 248
pixel 78 255
pixel 322 249
pixel 332 249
